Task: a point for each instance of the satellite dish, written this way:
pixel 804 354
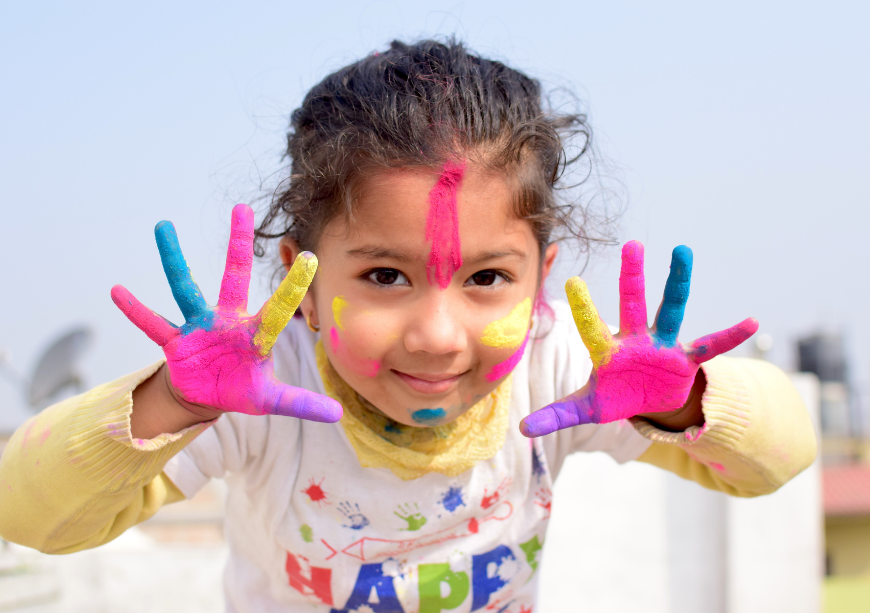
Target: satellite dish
pixel 56 369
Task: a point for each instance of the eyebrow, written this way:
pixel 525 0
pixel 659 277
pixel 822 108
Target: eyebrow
pixel 495 255
pixel 379 253
pixel 384 253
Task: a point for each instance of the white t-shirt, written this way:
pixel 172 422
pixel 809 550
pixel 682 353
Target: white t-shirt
pixel 309 529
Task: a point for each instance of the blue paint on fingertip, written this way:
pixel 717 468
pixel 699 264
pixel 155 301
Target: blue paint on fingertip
pixel 676 295
pixel 184 289
pixel 428 416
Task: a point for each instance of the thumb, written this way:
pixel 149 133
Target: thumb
pixel 572 410
pixel 289 401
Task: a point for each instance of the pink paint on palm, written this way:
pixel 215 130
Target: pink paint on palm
pixel 442 226
pixel 212 359
pixel 227 375
pixel 638 374
pixel 363 366
pixel 503 369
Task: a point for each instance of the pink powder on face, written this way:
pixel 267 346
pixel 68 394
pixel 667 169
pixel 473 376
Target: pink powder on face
pixel 442 226
pixel 502 369
pixel 717 466
pixel 542 306
pixel 368 368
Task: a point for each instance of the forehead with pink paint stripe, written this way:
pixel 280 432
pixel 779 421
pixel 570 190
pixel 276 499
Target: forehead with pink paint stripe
pixel 442 226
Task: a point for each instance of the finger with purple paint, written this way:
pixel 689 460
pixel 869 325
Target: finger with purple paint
pixel 637 371
pixel 220 359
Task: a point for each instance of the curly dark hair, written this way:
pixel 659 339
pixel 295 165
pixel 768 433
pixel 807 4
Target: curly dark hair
pixel 422 105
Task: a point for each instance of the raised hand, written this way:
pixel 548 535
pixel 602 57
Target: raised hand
pixel 221 357
pixel 640 370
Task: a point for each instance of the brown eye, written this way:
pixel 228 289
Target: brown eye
pixel 387 276
pixel 486 278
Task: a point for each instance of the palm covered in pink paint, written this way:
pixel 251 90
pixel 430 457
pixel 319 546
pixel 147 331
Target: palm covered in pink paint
pixel 639 370
pixel 220 359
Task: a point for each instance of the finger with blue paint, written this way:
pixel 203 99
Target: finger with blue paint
pixel 184 289
pixel 673 307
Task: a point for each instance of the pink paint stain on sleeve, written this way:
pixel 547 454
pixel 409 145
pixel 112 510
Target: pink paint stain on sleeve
pixel 442 226
pixel 368 368
pixel 503 369
pixel 27 432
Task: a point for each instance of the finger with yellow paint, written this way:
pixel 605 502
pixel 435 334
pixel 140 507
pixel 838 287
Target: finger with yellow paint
pixel 594 332
pixel 280 307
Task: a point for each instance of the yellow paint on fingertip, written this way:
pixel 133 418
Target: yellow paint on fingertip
pixel 339 303
pixel 280 307
pixel 594 332
pixel 509 331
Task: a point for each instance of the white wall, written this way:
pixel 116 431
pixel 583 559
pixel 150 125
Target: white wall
pixel 634 538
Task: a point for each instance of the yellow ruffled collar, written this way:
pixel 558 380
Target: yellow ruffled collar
pixel 412 452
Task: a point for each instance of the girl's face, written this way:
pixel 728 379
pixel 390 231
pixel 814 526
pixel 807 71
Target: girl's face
pixel 419 343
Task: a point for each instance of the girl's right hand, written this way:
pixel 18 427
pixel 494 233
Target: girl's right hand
pixel 220 360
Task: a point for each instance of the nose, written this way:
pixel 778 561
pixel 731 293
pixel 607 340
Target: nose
pixel 434 327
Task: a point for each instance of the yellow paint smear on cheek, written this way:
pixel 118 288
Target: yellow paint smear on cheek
pixel 509 331
pixel 339 303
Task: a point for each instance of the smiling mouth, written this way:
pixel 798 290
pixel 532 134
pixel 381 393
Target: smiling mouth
pixel 429 384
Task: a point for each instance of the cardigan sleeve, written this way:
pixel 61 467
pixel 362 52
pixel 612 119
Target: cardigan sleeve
pixel 73 477
pixel 757 433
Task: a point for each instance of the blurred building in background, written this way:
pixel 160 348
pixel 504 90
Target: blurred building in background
pixel 824 355
pixel 845 455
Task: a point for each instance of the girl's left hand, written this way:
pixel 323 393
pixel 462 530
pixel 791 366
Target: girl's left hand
pixel 640 370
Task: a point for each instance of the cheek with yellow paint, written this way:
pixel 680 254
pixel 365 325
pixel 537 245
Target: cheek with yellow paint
pixel 509 332
pixel 350 346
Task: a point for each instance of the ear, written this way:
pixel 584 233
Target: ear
pixel 549 259
pixel 288 250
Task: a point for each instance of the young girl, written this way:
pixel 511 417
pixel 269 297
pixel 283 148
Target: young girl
pixel 386 451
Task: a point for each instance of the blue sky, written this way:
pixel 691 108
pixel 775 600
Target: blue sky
pixel 739 130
